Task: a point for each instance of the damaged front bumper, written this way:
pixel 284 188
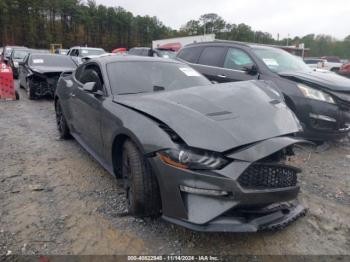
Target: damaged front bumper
pixel 271 218
pixel 245 196
pixel 323 121
pixel 44 85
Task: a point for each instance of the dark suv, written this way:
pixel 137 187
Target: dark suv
pixel 321 100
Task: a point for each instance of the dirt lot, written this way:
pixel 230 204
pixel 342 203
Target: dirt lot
pixel 56 199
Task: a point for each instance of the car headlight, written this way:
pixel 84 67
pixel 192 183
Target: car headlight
pixel 312 93
pixel 15 64
pixel 192 159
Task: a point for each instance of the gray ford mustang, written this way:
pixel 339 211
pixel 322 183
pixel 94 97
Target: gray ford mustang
pixel 207 157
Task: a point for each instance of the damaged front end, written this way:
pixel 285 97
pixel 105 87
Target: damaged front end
pixel 255 191
pixel 227 168
pixel 43 85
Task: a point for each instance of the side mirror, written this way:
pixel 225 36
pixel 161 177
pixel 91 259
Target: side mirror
pixel 98 93
pixel 89 87
pixel 251 69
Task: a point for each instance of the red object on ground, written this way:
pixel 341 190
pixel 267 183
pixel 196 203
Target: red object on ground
pixel 119 50
pixel 7 86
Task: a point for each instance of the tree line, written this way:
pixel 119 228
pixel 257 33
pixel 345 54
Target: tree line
pixel 38 23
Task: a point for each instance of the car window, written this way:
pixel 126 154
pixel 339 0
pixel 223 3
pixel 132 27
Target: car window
pixel 152 77
pixel 190 54
pixel 90 52
pixel 132 51
pixel 212 56
pixel 19 55
pixel 91 73
pixel 237 59
pixel 166 53
pixel 78 72
pixel 278 60
pixel 310 62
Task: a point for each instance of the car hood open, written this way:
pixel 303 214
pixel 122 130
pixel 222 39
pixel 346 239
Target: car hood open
pixel 218 117
pixel 325 79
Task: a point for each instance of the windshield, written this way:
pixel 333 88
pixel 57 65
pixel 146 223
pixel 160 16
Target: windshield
pixel 278 60
pixel 8 51
pixel 146 77
pixel 51 61
pixel 88 52
pixel 19 55
pixel 166 53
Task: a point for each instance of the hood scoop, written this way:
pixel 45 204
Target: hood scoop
pixel 221 115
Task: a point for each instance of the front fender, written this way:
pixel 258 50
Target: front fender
pixel 141 129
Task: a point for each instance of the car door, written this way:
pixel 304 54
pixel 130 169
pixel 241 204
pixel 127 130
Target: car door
pixel 86 108
pixel 210 63
pixel 237 66
pixel 23 72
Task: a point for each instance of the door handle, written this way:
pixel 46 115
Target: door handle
pixel 221 76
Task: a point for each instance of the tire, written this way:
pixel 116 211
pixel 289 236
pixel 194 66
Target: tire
pixel 61 122
pixel 30 91
pixel 140 183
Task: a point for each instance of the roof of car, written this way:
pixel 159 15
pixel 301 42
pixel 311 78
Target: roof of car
pixel 228 43
pixel 313 58
pixel 140 47
pixel 224 42
pixel 130 58
pixel 86 47
pixel 15 46
pixel 47 54
pixel 20 50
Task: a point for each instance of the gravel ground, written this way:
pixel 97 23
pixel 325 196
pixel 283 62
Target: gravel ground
pixel 56 199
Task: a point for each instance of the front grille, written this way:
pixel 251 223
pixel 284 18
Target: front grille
pixel 265 176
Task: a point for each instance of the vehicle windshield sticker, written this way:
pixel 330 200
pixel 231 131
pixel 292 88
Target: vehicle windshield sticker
pixel 85 51
pixel 189 71
pixel 165 56
pixel 38 61
pixel 270 62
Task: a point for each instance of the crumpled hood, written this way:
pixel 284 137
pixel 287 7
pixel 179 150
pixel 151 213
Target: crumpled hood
pixel 219 117
pixel 326 79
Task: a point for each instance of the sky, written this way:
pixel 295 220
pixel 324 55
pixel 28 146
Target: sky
pixel 283 17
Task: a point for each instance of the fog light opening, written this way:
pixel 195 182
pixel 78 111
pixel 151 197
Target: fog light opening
pixel 201 191
pixel 322 117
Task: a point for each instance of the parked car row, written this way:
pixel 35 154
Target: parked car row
pixel 203 139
